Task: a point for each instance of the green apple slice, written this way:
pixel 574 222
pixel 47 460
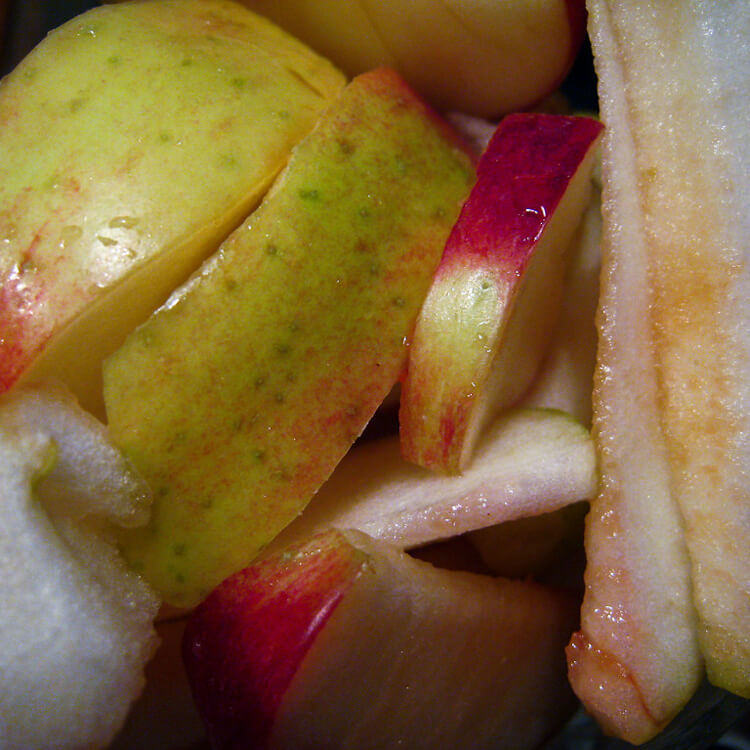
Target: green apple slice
pixel 237 399
pixel 342 641
pixel 668 577
pixel 135 138
pixel 529 462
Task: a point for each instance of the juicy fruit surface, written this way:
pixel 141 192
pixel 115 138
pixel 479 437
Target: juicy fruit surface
pixel 671 393
pixel 361 613
pixel 76 624
pixel 134 139
pixel 492 306
pixel 237 399
pixel 529 461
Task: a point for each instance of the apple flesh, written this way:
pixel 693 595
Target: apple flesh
pixel 237 399
pixel 529 462
pixel 76 624
pixel 343 641
pixel 668 564
pixel 485 59
pixel 493 304
pixel 135 138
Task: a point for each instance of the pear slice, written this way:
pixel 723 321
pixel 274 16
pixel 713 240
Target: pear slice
pixel 237 399
pixel 135 138
pixel 667 537
pixel 529 462
pixel 342 641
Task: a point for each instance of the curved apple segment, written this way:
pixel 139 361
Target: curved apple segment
pixel 135 138
pixel 342 641
pixel 76 623
pixel 237 398
pixel 667 534
pixel 482 58
pixel 529 462
pixel 493 305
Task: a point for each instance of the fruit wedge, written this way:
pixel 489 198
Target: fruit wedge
pixel 485 58
pixel 343 641
pixel 135 138
pixel 76 623
pixel 667 535
pixel 237 399
pixel 492 308
pixel 529 462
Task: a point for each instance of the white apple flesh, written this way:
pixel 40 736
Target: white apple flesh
pixel 76 623
pixel 668 577
pixel 529 462
pixel 342 641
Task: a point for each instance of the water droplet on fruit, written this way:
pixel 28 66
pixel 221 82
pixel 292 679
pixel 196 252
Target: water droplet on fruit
pixel 106 241
pixel 123 222
pixel 69 235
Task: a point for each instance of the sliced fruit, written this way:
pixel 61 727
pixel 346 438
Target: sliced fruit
pixel 237 399
pixel 439 658
pixel 566 377
pixel 135 138
pixel 493 304
pixel 666 535
pixel 76 623
pixel 529 462
pixel 483 58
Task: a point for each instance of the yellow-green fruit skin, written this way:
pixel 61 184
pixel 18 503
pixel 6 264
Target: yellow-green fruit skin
pixel 134 139
pixel 237 399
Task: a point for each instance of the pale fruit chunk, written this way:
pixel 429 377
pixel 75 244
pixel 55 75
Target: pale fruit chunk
pixel 342 641
pixel 565 379
pixel 237 399
pixel 672 390
pixel 491 310
pixel 134 139
pixel 528 462
pixel 483 58
pixel 76 623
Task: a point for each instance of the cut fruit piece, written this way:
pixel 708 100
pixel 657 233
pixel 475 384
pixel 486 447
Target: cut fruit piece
pixel 566 377
pixel 485 58
pixel 342 641
pixel 528 462
pixel 76 624
pixel 237 399
pixel 493 304
pixel 135 138
pixel 667 536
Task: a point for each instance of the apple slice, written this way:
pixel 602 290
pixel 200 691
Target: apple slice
pixel 566 377
pixel 484 58
pixel 493 304
pixel 529 462
pixel 667 535
pixel 76 623
pixel 237 399
pixel 135 138
pixel 342 641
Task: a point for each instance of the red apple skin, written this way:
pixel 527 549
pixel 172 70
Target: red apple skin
pixel 289 653
pixel 521 180
pixel 262 621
